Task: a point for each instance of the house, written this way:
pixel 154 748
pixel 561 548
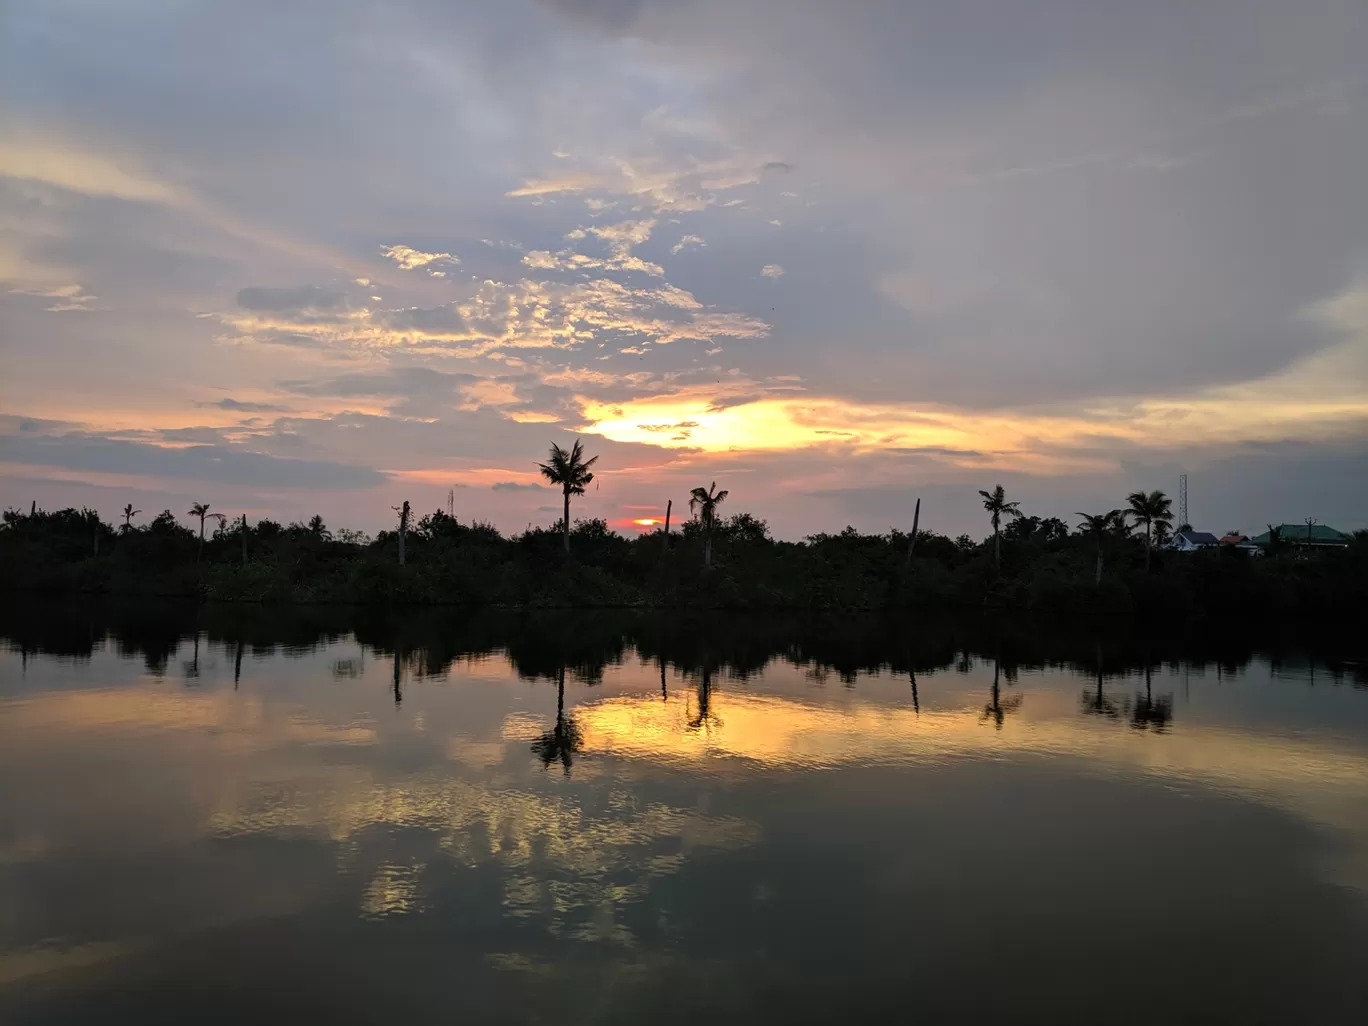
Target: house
pixel 1236 540
pixel 1313 535
pixel 1191 541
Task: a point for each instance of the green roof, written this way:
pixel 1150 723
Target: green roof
pixel 1298 533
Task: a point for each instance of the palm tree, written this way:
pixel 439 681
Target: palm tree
pixel 201 510
pixel 1097 525
pixel 128 514
pixel 570 470
pixel 1150 508
pixel 995 502
pixel 704 502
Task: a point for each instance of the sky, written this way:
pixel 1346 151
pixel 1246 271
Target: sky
pixel 332 255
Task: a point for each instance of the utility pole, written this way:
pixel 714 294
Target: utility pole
pixel 1182 503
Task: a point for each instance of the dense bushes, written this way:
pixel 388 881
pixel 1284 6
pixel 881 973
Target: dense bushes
pixel 448 562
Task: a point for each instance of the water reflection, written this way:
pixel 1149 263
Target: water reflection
pixel 729 835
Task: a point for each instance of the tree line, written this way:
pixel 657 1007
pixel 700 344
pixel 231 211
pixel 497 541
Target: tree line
pixel 1112 561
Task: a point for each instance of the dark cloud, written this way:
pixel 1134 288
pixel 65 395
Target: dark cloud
pixel 516 486
pixel 238 406
pixel 223 464
pixel 303 297
pixel 437 321
pixel 409 382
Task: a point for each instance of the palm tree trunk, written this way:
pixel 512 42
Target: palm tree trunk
pixel 1097 579
pixel 244 539
pixel 997 548
pixel 565 522
pixel 200 551
pixel 1149 543
pixel 707 548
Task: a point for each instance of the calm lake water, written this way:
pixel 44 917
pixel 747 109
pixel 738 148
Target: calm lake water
pixel 244 815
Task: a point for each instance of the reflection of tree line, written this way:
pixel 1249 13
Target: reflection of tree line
pixel 539 645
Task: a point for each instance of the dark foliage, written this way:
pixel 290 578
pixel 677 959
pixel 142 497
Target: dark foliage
pixel 1044 568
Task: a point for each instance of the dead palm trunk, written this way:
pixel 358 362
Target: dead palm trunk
pixel 912 542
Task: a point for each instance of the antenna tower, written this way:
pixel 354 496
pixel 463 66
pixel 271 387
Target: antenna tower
pixel 1182 501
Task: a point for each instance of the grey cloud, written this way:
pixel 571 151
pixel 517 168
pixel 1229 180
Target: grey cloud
pixel 395 381
pixel 238 406
pixel 515 486
pixel 303 297
pixel 218 463
pixel 441 320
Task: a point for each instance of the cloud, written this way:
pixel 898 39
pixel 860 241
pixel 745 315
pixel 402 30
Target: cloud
pixel 410 259
pixel 302 297
pixel 68 297
pixel 238 406
pixel 687 242
pixel 516 486
pixel 772 271
pixel 222 464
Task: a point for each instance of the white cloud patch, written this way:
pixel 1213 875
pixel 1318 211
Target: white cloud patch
pixel 410 259
pixel 687 242
pixel 772 271
pixel 66 297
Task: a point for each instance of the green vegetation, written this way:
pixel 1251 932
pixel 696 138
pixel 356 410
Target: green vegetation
pixel 1031 563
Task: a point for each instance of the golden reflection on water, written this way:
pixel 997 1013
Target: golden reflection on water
pixel 256 766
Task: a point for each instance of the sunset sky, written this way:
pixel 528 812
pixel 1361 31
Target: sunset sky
pixel 328 255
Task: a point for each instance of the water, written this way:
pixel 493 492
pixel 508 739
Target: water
pixel 241 815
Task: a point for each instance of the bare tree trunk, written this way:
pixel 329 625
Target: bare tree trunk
pixel 912 542
pixel 565 522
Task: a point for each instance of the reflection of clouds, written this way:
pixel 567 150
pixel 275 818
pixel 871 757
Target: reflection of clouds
pixel 394 890
pixel 1314 779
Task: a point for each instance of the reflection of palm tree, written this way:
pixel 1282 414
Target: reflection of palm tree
pixel 997 710
pixel 664 693
pixel 192 668
pixel 398 668
pixel 562 742
pixel 1099 703
pixel 704 502
pixel 705 717
pixel 237 665
pixel 995 502
pixel 1151 712
pixel 916 704
pixel 570 470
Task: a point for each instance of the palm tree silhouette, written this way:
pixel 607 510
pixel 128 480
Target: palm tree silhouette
pixel 570 470
pixel 564 740
pixel 995 502
pixel 201 510
pixel 1150 508
pixel 128 514
pixel 704 502
pixel 1097 525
